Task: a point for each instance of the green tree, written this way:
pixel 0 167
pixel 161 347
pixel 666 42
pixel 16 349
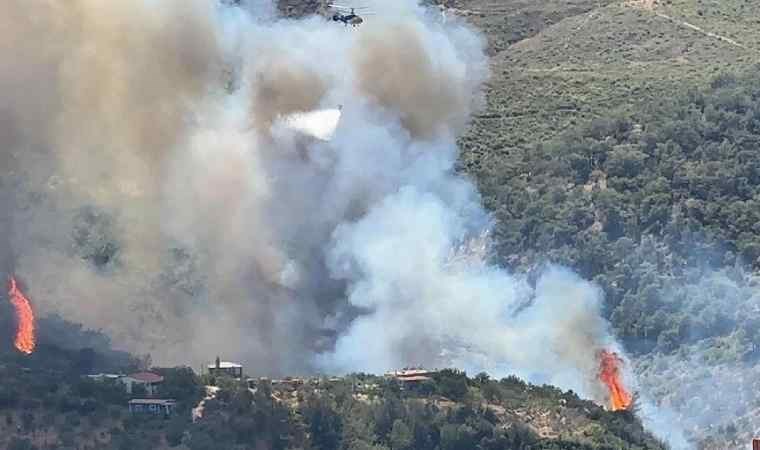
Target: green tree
pixel 452 384
pixel 326 425
pixel 175 430
pixel 401 436
pixel 20 444
pixel 457 437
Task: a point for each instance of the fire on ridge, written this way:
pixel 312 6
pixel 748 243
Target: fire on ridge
pixel 25 339
pixel 609 374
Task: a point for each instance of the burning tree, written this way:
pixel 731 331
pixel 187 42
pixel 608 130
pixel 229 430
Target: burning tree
pixel 25 339
pixel 609 374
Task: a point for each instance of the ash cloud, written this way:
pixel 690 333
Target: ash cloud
pixel 159 197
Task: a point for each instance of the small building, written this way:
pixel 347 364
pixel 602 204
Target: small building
pixel 150 381
pixel 152 406
pixel 101 377
pixel 225 368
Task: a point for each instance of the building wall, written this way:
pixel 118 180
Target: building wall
pixel 151 409
pixel 150 388
pixel 235 372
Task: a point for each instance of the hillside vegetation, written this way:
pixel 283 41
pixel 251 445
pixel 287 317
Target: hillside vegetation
pixel 620 138
pixel 623 143
pixel 450 412
pixel 47 403
pixel 570 62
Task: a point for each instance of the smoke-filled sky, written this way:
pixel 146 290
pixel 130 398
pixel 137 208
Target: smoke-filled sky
pixel 152 191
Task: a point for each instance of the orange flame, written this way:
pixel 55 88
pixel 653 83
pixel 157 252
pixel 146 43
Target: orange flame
pixel 609 374
pixel 24 341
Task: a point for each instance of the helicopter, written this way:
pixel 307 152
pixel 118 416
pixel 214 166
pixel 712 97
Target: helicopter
pixel 347 18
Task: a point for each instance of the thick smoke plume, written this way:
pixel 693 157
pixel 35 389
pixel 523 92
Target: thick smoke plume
pixel 157 192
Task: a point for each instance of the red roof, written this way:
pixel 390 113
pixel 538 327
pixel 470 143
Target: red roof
pixel 415 378
pixel 147 377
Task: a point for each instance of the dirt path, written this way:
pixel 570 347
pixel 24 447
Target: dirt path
pixel 651 6
pixel 198 410
pixel 704 32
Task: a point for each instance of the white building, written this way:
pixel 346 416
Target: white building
pixel 226 368
pixel 152 406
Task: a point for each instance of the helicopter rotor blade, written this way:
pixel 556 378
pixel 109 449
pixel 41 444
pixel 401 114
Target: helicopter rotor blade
pixel 356 8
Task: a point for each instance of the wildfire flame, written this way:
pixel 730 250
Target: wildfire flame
pixel 24 341
pixel 609 374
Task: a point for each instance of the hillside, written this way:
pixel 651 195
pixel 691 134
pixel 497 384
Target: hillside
pixel 620 138
pixel 599 61
pixel 48 403
pixel 141 197
pixel 573 61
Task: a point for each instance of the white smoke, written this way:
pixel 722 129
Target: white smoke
pixel 234 236
pixel 472 315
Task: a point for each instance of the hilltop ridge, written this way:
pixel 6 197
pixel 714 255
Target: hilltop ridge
pixel 48 402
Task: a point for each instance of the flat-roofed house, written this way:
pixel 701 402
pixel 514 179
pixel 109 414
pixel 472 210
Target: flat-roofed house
pixel 101 377
pixel 226 368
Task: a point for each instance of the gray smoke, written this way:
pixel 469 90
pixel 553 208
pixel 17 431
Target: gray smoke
pixel 160 198
pixel 6 220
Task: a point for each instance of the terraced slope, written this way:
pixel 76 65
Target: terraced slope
pixel 582 59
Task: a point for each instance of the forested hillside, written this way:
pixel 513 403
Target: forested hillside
pixel 622 199
pixel 46 402
pixel 624 145
pixel 450 412
pixel 621 138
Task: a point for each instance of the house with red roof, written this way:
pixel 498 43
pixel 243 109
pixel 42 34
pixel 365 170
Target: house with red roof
pixel 149 380
pixel 410 376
